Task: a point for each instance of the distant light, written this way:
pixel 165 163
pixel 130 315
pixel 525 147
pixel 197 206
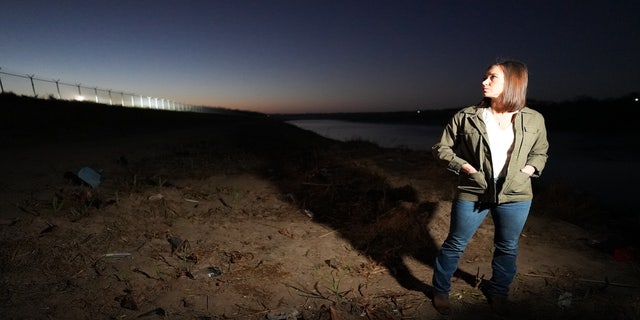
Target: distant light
pixel 419 110
pixel 79 98
pixel 636 99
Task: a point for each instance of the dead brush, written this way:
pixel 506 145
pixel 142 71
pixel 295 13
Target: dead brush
pixel 332 293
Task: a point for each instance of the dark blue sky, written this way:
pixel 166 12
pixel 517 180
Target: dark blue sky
pixel 324 56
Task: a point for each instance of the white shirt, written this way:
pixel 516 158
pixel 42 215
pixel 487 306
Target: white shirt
pixel 500 143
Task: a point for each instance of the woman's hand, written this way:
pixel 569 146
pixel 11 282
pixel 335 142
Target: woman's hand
pixel 468 169
pixel 528 169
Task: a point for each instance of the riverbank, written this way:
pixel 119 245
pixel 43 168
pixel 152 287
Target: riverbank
pixel 247 217
pixel 578 161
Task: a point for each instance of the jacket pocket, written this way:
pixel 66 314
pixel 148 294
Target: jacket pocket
pixel 474 183
pixel 531 134
pixel 520 185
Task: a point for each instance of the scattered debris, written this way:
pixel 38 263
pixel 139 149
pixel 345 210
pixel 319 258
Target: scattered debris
pixel 117 255
pixel 89 176
pixel 308 213
pixel 224 203
pixel 564 301
pixel 156 197
pixel 49 229
pixel 177 244
pixel 129 300
pixel 154 312
pixel 208 272
pixel 238 257
pixel 284 314
pixel 140 271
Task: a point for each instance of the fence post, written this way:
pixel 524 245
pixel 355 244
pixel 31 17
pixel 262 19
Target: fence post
pixel 58 88
pixel 1 86
pixel 33 86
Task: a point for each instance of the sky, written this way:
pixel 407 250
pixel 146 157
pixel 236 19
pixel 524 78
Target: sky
pixel 324 56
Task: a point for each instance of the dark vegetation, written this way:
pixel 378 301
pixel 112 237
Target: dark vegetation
pixel 26 119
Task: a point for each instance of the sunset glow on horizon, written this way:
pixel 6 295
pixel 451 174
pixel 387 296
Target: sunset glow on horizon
pixel 336 56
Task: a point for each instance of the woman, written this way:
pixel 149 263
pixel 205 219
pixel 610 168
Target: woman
pixel 495 148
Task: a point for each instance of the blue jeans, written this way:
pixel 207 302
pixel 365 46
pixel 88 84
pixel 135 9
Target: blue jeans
pixel 466 216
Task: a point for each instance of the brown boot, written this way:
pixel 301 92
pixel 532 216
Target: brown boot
pixel 442 304
pixel 499 305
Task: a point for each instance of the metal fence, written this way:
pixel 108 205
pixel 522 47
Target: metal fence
pixel 30 85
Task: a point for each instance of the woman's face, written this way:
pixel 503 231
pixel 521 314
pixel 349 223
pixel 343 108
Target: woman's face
pixel 493 83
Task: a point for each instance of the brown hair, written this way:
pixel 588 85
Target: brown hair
pixel 516 76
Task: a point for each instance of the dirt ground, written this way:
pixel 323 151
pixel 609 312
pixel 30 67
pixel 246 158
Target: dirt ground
pixel 261 220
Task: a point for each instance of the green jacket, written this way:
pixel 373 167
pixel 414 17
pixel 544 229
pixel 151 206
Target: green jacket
pixel 465 140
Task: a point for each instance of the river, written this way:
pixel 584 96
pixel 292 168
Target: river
pixel 594 163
